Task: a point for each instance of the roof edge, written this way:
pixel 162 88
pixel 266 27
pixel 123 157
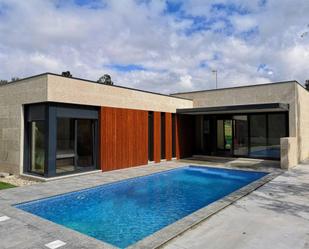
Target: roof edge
pixel 123 87
pixel 91 81
pixel 244 86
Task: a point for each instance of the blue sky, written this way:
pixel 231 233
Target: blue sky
pixel 163 45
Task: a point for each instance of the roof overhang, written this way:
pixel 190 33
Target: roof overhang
pixel 236 109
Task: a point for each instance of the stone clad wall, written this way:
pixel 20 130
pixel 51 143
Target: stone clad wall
pixel 12 98
pixel 76 91
pixel 303 123
pixel 288 150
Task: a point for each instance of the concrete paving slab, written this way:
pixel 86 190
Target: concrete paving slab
pixel 25 230
pixel 274 216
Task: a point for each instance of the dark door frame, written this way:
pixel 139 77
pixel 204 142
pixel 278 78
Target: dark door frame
pixel 49 112
pixel 223 117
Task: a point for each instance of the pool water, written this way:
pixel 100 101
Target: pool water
pixel 125 212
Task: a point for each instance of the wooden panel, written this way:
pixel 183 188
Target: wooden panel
pixel 157 136
pixel 168 136
pixel 184 135
pixel 123 138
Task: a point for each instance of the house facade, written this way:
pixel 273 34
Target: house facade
pixel 52 125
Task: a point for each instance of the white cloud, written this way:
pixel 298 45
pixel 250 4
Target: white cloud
pixel 186 81
pixel 178 50
pixel 243 23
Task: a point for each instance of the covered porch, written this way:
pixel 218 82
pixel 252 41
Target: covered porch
pixel 249 131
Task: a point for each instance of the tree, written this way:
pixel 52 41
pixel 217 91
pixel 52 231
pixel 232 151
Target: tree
pixel 307 84
pixel 3 82
pixel 67 74
pixel 14 79
pixel 106 80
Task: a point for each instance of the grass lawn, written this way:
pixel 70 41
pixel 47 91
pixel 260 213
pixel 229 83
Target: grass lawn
pixel 4 185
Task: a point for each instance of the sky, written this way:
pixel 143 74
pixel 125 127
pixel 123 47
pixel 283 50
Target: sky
pixel 163 46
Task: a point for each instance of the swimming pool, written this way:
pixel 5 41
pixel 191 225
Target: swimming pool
pixel 127 211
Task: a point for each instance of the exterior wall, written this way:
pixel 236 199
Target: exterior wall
pixel 157 137
pixel 286 92
pixel 12 98
pixel 269 93
pixel 168 136
pixel 123 138
pixel 48 87
pixel 55 88
pixel 303 123
pixel 76 91
pixel 289 155
pixel 184 136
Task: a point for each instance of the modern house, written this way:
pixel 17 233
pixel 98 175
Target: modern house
pixel 52 125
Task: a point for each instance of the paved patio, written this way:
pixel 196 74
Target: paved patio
pixel 274 216
pixel 276 213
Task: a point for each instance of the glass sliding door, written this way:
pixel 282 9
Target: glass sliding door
pixel 240 129
pixel 277 128
pixel 255 135
pixel 228 134
pixel 75 145
pixel 224 137
pixel 258 135
pixel 37 147
pixel 66 156
pixel 60 139
pixel 84 143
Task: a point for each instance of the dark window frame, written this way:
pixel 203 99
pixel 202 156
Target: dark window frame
pixel 229 116
pixel 52 111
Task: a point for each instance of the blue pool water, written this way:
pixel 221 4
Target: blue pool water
pixel 125 212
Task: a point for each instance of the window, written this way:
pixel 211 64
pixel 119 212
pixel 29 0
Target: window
pixel 85 143
pixel 60 138
pixel 65 158
pixel 276 129
pixel 240 135
pixel 75 145
pixel 37 147
pixel 258 135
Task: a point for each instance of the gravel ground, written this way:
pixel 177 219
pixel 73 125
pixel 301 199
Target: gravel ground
pixel 17 180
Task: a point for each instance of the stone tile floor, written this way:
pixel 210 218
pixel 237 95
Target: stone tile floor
pixel 274 216
pixel 280 208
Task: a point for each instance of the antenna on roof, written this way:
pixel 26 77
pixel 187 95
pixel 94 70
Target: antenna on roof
pixel 66 74
pixel 106 79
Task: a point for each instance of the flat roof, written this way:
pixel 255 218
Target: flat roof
pixel 237 87
pixel 251 108
pixel 92 81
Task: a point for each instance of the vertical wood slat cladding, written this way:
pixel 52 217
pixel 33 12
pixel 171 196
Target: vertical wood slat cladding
pixel 157 136
pixel 184 138
pixel 168 136
pixel 123 138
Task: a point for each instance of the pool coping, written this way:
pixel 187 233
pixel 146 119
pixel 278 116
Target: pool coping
pixel 154 240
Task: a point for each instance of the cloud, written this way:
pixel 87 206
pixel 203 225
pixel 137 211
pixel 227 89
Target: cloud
pixel 163 46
